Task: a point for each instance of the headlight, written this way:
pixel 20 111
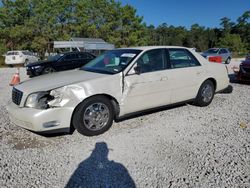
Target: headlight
pixel 37 67
pixel 57 95
pixel 47 99
pixel 38 100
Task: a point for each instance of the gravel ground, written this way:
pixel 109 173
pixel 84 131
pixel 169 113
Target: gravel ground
pixel 185 146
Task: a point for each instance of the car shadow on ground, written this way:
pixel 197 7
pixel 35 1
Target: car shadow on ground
pixel 152 111
pixel 97 171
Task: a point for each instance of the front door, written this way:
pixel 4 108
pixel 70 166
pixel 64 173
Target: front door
pixel 150 88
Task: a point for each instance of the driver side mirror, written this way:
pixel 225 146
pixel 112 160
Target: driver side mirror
pixel 137 70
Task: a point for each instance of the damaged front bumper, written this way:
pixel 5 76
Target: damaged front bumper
pixel 45 120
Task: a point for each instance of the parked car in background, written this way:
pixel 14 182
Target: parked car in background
pixel 20 57
pixel 115 84
pixel 248 57
pixel 59 62
pixel 243 73
pixel 224 53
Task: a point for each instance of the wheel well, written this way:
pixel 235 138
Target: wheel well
pixel 113 102
pixel 213 81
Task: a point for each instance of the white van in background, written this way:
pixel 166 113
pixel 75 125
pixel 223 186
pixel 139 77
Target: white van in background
pixel 20 57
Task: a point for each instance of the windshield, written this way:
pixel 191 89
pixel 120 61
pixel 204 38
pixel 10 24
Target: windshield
pixel 212 51
pixel 111 62
pixel 55 57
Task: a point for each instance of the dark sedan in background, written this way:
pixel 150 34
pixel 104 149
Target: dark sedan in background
pixel 244 70
pixel 59 62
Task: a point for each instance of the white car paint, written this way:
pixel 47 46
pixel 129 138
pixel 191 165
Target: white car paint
pixel 20 57
pixel 131 91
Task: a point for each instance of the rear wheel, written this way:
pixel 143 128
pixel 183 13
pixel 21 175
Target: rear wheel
pixel 205 94
pixel 48 70
pixel 93 116
pixel 26 62
pixel 228 60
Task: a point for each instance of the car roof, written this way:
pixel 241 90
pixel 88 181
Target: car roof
pixel 72 52
pixel 153 47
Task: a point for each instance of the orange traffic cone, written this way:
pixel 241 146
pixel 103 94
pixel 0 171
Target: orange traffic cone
pixel 15 78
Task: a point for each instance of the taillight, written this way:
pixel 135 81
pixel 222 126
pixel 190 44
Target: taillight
pixel 216 59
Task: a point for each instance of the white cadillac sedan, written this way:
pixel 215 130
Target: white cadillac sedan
pixel 116 84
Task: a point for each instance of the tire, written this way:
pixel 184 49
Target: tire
pixel 89 121
pixel 228 60
pixel 26 62
pixel 48 70
pixel 205 94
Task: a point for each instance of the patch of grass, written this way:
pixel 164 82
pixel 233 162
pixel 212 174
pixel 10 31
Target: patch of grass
pixel 239 55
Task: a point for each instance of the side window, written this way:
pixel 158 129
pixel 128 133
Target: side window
pixel 223 51
pixel 25 53
pixel 152 60
pixel 70 57
pixel 82 56
pixel 180 58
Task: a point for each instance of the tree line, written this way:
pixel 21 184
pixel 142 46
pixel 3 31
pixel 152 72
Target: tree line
pixel 34 24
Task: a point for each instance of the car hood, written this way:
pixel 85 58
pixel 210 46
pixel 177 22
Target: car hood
pixel 55 80
pixel 45 62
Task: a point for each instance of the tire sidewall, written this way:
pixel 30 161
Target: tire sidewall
pixel 199 100
pixel 228 60
pixel 26 62
pixel 45 72
pixel 79 112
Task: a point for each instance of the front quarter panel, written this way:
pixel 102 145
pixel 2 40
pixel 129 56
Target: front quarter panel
pixel 74 94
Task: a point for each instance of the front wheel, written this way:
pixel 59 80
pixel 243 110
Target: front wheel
pixel 93 116
pixel 205 94
pixel 48 70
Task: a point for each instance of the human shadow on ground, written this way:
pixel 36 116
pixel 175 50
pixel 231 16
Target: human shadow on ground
pixel 99 172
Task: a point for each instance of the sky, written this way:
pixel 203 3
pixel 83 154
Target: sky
pixel 188 12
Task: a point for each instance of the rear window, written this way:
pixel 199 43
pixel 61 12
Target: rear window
pixel 27 53
pixel 84 56
pixel 212 51
pixel 180 58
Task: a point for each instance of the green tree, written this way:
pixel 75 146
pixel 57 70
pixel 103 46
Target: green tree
pixel 233 42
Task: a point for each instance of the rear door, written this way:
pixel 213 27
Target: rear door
pixel 184 74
